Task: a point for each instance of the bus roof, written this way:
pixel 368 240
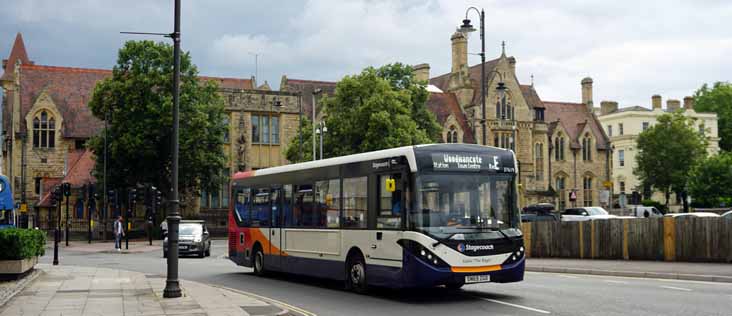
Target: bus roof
pixel 405 151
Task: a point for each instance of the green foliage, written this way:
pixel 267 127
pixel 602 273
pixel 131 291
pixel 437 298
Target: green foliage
pixel 294 151
pixel 657 205
pixel 138 99
pixel 376 109
pixel 717 99
pixel 710 184
pixel 667 151
pixel 17 243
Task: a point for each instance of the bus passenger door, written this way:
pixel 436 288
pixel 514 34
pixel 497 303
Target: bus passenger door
pixel 390 208
pixel 275 235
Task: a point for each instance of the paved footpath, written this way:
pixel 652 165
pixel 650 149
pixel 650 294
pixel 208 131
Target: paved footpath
pixel 134 246
pixel 74 290
pixel 693 271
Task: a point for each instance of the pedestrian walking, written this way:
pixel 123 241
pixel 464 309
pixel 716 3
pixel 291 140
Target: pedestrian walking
pixel 164 228
pixel 119 232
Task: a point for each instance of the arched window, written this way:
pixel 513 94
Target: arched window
pixel 44 130
pixel 587 147
pixel 539 161
pixel 562 203
pixel 504 109
pixel 559 148
pixel 587 186
pixel 452 135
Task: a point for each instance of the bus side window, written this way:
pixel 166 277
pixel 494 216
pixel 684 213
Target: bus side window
pixel 261 208
pixel 327 206
pixel 275 206
pixel 303 212
pixel 242 206
pixel 355 202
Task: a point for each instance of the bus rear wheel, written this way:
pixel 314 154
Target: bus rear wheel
pixel 258 262
pixel 356 274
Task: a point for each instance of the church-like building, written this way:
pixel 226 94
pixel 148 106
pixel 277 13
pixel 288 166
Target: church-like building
pixel 562 150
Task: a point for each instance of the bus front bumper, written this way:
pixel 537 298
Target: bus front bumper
pixel 422 274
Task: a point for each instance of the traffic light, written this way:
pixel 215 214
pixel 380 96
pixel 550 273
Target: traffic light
pixel 91 188
pixel 112 197
pixel 66 188
pixel 158 197
pixel 55 196
pixel 133 195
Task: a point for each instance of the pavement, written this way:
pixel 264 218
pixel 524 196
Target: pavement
pixel 693 271
pixel 75 290
pixel 134 246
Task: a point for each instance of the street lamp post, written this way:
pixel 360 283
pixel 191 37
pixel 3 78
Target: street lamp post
pixel 299 126
pixel 321 130
pixel 466 28
pixel 315 91
pixel 172 286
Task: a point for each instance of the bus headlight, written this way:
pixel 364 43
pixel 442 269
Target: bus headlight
pixel 422 253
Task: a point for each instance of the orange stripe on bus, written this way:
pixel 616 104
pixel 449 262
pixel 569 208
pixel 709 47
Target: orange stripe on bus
pixel 258 235
pixel 476 269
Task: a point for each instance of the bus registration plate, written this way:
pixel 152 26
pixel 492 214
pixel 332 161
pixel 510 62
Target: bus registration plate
pixel 477 278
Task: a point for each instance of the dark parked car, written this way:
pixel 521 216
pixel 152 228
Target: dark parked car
pixel 193 239
pixel 539 213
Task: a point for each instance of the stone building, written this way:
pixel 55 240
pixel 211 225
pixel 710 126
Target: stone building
pixel 623 125
pixel 560 146
pixel 46 122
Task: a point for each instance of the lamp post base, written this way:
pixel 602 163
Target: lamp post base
pixel 172 289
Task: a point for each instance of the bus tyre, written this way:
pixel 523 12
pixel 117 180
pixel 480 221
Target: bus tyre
pixel 258 262
pixel 356 274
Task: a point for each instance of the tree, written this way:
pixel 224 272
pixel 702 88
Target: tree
pixel 666 153
pixel 138 100
pixel 376 109
pixel 710 183
pixel 718 99
pixel 294 151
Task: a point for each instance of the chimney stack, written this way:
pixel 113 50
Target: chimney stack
pixel 459 51
pixel 587 93
pixel 607 107
pixel 422 72
pixel 672 105
pixel 688 103
pixel 656 101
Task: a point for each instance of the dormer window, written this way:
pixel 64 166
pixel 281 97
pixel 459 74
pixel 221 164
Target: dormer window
pixel 44 130
pixel 452 135
pixel 587 147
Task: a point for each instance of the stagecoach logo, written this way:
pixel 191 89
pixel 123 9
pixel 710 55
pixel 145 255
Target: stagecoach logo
pixel 382 164
pixel 463 247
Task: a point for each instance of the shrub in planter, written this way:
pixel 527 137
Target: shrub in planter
pixel 18 244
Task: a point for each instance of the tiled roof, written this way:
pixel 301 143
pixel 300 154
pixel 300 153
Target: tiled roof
pixel 531 97
pixel 229 83
pixel 474 71
pixel 70 89
pixel 573 117
pixel 306 87
pixel 81 164
pixel 445 104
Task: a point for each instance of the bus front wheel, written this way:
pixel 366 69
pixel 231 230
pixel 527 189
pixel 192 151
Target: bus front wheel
pixel 356 274
pixel 258 262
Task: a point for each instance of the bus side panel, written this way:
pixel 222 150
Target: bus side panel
pixel 313 252
pixel 237 242
pixel 383 263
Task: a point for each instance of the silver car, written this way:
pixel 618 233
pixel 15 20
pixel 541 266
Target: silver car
pixel 193 239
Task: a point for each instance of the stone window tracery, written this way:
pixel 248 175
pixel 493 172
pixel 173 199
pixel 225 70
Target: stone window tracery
pixel 44 130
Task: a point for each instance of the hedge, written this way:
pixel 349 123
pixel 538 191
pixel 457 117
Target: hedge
pixel 17 244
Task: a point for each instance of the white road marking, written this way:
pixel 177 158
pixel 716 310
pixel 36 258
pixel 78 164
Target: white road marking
pixel 675 288
pixel 569 276
pixel 513 305
pixel 615 281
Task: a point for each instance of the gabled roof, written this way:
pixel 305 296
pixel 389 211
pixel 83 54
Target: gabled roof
pixel 81 164
pixel 474 72
pixel 531 97
pixel 70 89
pixel 306 88
pixel 17 53
pixel 445 104
pixel 229 83
pixel 573 117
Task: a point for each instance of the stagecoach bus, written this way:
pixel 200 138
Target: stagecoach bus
pixel 415 216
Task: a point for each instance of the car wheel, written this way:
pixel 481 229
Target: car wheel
pixel 202 253
pixel 208 251
pixel 258 262
pixel 356 274
pixel 165 254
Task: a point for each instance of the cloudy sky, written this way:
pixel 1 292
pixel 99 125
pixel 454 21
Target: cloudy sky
pixel 632 49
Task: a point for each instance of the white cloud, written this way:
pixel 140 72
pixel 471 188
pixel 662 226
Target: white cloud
pixel 631 49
